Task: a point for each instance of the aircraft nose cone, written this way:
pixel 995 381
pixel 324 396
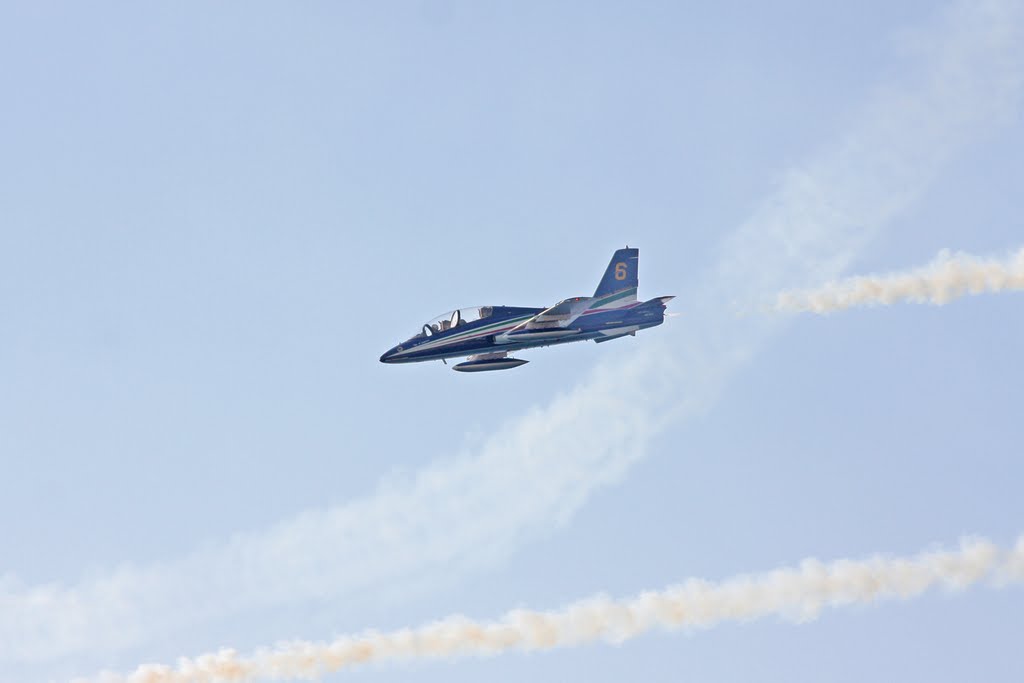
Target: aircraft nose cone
pixel 384 356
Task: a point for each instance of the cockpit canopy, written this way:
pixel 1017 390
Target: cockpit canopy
pixel 451 319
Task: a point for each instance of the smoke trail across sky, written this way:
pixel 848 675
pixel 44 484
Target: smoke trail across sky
pixel 948 277
pixel 798 593
pixel 534 472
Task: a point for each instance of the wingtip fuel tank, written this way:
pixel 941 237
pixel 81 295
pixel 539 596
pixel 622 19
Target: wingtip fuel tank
pixel 489 364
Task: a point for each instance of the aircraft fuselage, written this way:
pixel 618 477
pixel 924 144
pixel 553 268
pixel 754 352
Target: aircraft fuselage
pixel 487 334
pixel 482 336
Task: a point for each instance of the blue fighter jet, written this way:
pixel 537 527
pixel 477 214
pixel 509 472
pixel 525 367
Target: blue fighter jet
pixel 488 334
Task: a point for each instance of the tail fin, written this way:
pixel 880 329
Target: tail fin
pixel 618 286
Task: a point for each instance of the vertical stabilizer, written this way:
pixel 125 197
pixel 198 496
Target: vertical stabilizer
pixel 618 286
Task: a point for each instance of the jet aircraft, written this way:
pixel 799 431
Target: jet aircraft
pixel 488 334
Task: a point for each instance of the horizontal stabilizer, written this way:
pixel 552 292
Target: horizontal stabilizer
pixel 617 332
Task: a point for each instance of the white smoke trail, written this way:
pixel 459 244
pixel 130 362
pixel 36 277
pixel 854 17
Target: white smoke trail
pixel 948 277
pixel 540 468
pixel 798 594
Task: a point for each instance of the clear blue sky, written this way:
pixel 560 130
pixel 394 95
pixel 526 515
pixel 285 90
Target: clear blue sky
pixel 214 218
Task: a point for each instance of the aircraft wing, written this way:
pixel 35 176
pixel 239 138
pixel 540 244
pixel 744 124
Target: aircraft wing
pixel 559 316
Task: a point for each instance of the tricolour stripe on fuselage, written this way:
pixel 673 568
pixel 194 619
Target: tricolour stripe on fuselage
pixel 625 298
